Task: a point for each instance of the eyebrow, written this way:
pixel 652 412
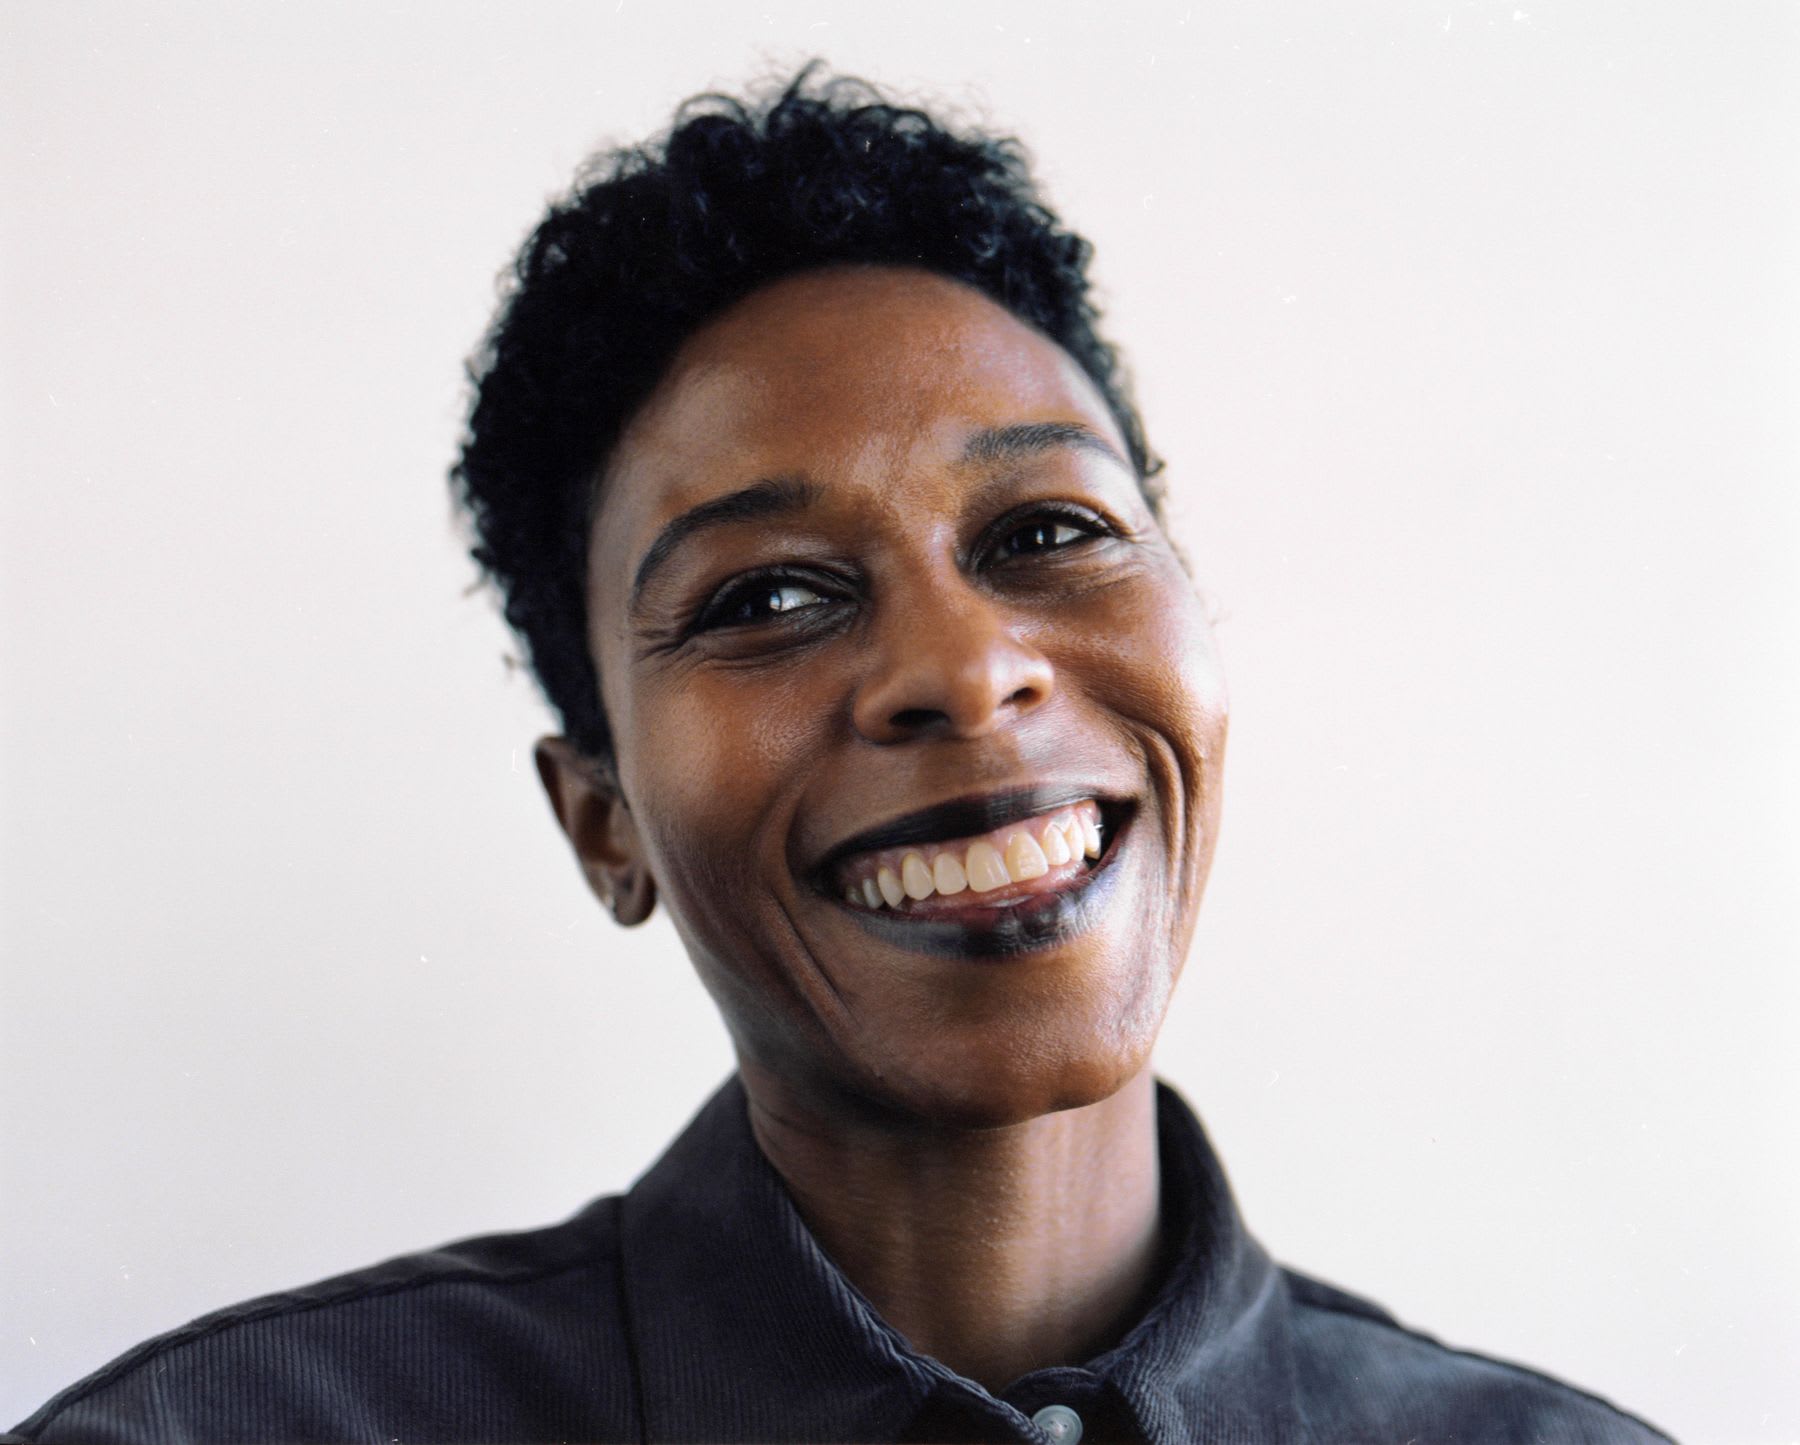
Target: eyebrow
pixel 783 496
pixel 1009 443
pixel 771 497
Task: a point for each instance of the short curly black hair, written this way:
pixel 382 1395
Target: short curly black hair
pixel 655 240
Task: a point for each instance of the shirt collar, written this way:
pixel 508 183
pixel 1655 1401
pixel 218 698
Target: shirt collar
pixel 742 1329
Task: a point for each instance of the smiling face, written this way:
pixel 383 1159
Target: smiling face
pixel 892 647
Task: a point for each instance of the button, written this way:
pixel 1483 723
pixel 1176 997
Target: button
pixel 1060 1423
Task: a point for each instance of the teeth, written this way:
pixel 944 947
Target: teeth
pixel 890 887
pixel 916 878
pixel 987 870
pixel 1024 859
pixel 1014 855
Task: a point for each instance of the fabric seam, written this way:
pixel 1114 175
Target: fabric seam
pixel 192 1333
pixel 628 1324
pixel 1512 1367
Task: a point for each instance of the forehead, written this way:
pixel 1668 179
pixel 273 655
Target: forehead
pixel 847 376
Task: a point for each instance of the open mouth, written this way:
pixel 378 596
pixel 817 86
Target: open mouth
pixel 1001 866
pixel 1012 886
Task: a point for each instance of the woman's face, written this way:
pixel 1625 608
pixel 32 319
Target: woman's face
pixel 872 590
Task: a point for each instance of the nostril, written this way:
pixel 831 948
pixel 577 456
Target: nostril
pixel 915 719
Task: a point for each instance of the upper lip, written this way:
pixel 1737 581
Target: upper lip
pixel 960 817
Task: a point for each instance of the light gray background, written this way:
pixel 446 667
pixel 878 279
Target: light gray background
pixel 1469 331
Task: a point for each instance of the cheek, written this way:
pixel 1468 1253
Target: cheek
pixel 1145 654
pixel 712 757
pixel 716 762
pixel 1147 663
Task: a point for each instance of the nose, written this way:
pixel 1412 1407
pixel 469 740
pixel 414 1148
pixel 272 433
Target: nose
pixel 949 666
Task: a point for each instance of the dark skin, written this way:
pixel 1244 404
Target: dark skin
pixel 944 587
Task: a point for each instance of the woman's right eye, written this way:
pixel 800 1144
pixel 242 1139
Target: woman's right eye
pixel 760 601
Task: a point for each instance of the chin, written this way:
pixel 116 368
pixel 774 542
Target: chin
pixel 1005 1072
pixel 1004 1096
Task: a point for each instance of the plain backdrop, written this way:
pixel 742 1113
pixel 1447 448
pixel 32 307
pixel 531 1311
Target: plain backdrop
pixel 1469 331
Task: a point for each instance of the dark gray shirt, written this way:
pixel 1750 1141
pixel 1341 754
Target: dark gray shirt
pixel 698 1307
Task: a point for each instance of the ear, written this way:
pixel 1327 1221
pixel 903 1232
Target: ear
pixel 592 811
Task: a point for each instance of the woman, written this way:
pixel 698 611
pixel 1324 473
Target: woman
pixel 835 542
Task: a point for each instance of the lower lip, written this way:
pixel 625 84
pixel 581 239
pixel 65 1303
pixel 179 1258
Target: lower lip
pixel 1036 922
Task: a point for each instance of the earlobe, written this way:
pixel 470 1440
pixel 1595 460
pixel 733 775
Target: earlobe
pixel 598 824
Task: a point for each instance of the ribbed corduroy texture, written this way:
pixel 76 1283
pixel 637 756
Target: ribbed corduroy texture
pixel 698 1307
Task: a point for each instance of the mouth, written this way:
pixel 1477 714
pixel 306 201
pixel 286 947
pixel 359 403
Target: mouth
pixel 995 875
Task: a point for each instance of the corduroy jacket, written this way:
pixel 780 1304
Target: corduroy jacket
pixel 698 1307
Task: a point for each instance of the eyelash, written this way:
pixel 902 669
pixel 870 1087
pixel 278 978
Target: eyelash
pixel 757 587
pixel 761 586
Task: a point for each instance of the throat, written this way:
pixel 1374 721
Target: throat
pixel 998 1251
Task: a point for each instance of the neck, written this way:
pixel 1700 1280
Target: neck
pixel 995 1251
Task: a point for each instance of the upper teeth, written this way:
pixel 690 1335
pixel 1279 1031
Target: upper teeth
pixel 1010 854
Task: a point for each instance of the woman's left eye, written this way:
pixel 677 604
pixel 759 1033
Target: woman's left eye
pixel 787 597
pixel 1044 534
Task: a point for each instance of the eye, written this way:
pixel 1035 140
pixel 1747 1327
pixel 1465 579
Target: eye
pixel 1046 532
pixel 759 600
pixel 1040 537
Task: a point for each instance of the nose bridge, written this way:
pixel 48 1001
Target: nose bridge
pixel 945 659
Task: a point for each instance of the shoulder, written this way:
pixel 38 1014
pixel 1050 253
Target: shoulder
pixel 430 1345
pixel 1363 1375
